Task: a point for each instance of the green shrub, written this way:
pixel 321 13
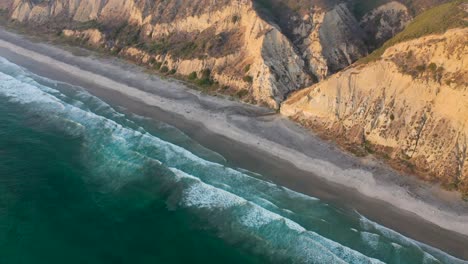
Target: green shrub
pixel 204 82
pixel 247 68
pixel 409 55
pixel 173 71
pixel 432 67
pixel 157 65
pixel 248 79
pixel 235 19
pixel 158 47
pixel 242 93
pixel 192 76
pixel 421 68
pixel 186 50
pixel 205 78
pixel 116 50
pixel 368 147
pixel 125 34
pixel 206 74
pixel 92 24
pixel 164 69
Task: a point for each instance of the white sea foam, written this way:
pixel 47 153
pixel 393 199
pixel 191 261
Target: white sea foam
pixel 430 253
pixel 173 156
pixel 247 200
pixel 203 196
pixel 200 195
pixel 362 180
pixel 18 92
pixel 371 239
pixel 396 246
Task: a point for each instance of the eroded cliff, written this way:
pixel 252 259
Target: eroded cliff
pixel 259 50
pixel 410 106
pixel 407 101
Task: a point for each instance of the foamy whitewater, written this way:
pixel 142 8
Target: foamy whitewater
pixel 242 208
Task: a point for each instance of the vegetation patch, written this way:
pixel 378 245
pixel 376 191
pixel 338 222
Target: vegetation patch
pixel 125 35
pixel 417 68
pixel 157 65
pixel 92 24
pixel 185 50
pixel 368 147
pixel 194 45
pixel 248 79
pixel 205 79
pixel 436 20
pixel 242 93
pixel 192 76
pixel 164 69
pixel 235 19
pixel 155 47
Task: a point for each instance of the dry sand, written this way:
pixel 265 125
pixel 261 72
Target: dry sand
pixel 259 140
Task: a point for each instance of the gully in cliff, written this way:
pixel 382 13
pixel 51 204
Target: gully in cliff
pixel 147 170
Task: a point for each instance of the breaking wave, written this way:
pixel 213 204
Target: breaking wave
pixel 245 210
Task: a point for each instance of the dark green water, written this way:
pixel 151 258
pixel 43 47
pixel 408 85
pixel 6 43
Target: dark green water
pixel 50 213
pixel 81 182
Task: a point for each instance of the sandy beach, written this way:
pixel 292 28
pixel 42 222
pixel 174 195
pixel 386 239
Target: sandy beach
pixel 262 141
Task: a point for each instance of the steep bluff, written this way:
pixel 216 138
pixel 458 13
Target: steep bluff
pixel 408 103
pixel 259 50
pixel 410 106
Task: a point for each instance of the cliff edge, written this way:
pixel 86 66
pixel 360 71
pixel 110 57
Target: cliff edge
pixel 408 102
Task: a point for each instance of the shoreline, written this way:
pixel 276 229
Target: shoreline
pixel 268 144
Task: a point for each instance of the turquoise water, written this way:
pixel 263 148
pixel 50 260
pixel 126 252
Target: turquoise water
pixel 83 182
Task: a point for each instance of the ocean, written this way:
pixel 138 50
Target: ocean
pixel 82 181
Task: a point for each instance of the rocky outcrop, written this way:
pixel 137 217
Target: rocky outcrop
pixel 385 21
pixel 240 49
pixel 330 40
pixel 260 55
pixel 410 106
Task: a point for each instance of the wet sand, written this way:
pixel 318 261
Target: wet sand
pixel 256 139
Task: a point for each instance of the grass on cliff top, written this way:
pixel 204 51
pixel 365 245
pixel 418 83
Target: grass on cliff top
pixel 433 21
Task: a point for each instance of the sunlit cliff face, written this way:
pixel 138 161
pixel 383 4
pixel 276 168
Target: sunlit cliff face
pixel 252 50
pixel 397 107
pixel 264 51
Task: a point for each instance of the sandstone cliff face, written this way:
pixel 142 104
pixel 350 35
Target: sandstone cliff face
pixel 330 40
pixel 241 50
pixel 411 106
pixel 260 57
